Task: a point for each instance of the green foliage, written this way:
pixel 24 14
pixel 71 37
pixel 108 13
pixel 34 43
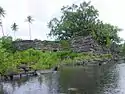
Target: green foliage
pixel 83 20
pixel 7 62
pixel 106 34
pixel 14 27
pixel 123 49
pixel 2 14
pixel 75 21
pixel 116 48
pixel 37 59
pixel 65 44
pixel 29 19
pixel 6 43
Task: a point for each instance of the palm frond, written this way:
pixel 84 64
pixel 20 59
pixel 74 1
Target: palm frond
pixel 14 27
pixel 29 19
pixel 2 12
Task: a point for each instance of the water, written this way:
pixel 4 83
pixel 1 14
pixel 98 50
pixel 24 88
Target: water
pixel 92 79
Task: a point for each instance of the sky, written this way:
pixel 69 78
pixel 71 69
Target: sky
pixel 42 11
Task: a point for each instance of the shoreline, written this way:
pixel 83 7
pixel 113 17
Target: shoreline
pixel 11 77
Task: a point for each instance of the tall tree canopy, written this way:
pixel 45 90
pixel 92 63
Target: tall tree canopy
pixel 82 20
pixel 14 28
pixel 29 19
pixel 2 14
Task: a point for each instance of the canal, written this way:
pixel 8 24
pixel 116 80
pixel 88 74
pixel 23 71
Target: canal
pixel 91 79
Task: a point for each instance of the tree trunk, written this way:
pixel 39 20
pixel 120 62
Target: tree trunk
pixel 14 35
pixel 29 31
pixel 2 30
pixel 2 27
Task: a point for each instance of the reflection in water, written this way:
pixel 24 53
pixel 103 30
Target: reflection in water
pixel 45 84
pixel 115 83
pixel 92 79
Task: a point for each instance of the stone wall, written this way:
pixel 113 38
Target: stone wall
pixel 79 44
pixel 36 44
pixel 87 44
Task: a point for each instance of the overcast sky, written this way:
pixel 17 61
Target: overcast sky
pixel 111 11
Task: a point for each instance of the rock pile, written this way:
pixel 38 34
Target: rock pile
pixel 87 44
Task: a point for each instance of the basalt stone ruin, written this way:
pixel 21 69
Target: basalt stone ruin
pixel 87 44
pixel 36 44
pixel 79 44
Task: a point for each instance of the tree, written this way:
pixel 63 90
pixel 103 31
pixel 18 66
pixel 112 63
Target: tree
pixel 2 14
pixel 29 19
pixel 123 49
pixel 14 28
pixel 82 20
pixel 75 21
pixel 106 34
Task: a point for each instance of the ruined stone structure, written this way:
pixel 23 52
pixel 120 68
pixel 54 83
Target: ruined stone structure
pixel 37 44
pixel 87 44
pixel 79 44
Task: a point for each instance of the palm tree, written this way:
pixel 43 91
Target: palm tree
pixel 14 28
pixel 29 19
pixel 2 14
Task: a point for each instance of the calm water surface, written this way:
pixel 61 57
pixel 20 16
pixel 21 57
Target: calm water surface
pixel 92 79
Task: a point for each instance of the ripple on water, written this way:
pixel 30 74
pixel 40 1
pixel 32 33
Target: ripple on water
pixel 90 80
